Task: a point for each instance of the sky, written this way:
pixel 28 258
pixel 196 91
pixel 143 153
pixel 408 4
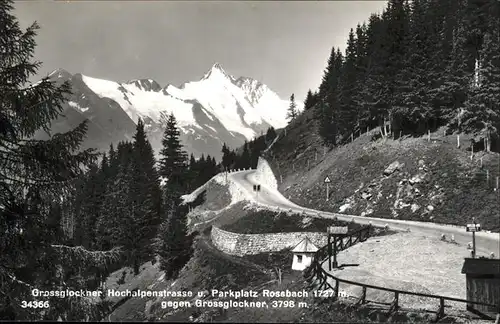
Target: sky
pixel 284 44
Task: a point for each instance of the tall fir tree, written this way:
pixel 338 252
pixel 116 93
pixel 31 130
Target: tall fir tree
pixel 35 175
pixel 411 103
pixel 327 106
pixel 226 157
pixel 173 161
pixel 483 106
pixel 145 199
pixel 329 82
pixel 173 243
pixel 453 91
pixel 309 101
pixel 245 157
pixel 348 110
pixel 292 109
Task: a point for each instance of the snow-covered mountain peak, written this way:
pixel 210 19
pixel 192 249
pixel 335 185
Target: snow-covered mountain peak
pixel 60 73
pixel 214 110
pixel 146 84
pixel 217 72
pixel 252 88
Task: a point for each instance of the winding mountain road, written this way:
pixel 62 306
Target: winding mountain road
pixel 486 242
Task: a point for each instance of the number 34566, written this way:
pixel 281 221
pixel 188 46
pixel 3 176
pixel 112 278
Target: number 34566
pixel 35 304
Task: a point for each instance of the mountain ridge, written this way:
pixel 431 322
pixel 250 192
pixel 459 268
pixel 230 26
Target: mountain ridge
pixel 216 109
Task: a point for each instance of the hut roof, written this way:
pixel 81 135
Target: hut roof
pixel 481 266
pixel 305 246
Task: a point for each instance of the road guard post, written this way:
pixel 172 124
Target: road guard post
pixel 335 232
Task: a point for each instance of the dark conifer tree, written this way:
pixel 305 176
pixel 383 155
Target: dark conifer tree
pixel 36 174
pixel 456 80
pixel 328 106
pixel 226 157
pixel 329 80
pixel 245 157
pixel 89 210
pixel 173 242
pixel 397 37
pixel 292 109
pixel 309 101
pixel 483 106
pixel 375 91
pixel 411 103
pixel 173 161
pixel 144 200
pixel 270 135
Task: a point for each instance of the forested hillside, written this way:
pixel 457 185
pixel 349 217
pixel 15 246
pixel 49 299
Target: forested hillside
pixel 417 66
pixel 423 67
pixel 248 155
pixel 69 217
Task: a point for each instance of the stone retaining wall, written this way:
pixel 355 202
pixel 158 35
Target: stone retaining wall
pixel 243 244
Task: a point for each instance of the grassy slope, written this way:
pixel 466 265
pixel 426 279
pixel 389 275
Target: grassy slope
pixel 453 185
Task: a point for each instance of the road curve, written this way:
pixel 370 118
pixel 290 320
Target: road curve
pixel 486 242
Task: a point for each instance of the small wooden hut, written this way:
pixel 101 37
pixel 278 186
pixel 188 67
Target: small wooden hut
pixel 483 285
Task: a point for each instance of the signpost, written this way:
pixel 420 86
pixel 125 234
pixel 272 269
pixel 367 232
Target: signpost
pixel 334 231
pixel 474 227
pixel 327 181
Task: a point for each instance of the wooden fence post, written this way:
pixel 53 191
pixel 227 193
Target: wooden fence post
pixel 481 162
pixel 362 299
pixel 497 182
pixel 440 313
pixel 394 306
pixel 487 176
pixel 336 289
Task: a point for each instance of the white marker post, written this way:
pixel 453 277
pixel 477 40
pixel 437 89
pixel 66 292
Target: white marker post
pixel 327 181
pixel 474 227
